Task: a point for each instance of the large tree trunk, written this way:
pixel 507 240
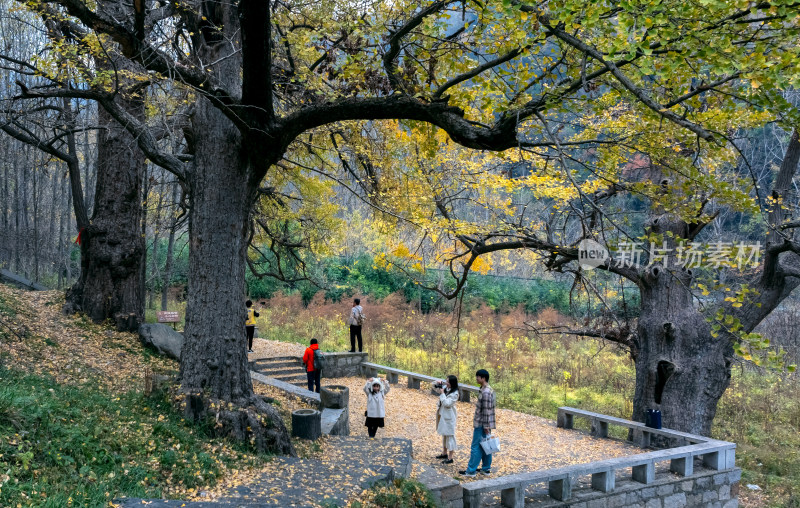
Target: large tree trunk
pixel 222 190
pixel 214 356
pixel 680 368
pixel 112 248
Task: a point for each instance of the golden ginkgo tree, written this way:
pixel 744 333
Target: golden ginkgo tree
pixel 494 76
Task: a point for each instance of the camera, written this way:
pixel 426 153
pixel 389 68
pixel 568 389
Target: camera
pixel 440 384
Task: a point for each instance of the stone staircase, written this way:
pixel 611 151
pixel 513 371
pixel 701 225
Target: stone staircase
pixel 288 369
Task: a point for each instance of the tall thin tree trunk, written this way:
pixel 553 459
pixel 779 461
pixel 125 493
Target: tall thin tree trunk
pixel 61 246
pixel 54 240
pixel 35 235
pixel 170 248
pixel 25 209
pixel 67 253
pixel 145 204
pixel 5 207
pixel 17 214
pixel 88 179
pixel 154 271
pixel 154 275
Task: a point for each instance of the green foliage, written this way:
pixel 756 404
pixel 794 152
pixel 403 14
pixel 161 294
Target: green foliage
pixel 180 261
pixel 501 293
pixel 360 276
pixel 63 445
pixel 761 413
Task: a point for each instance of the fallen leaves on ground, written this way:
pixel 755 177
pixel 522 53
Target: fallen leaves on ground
pixel 528 443
pixel 72 349
pixel 266 348
pixel 38 338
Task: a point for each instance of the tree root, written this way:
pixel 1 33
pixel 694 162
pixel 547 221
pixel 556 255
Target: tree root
pixel 254 422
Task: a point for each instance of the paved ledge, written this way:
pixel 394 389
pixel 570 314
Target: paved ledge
pixel 295 391
pixel 605 475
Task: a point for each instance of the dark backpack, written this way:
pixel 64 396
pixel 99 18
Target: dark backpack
pixel 319 360
pixel 360 318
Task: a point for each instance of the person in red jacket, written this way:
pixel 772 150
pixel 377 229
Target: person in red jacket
pixel 312 374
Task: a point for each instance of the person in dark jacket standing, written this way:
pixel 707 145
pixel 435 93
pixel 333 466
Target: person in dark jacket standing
pixel 356 321
pixel 312 374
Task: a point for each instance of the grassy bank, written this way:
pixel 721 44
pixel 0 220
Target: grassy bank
pixel 77 430
pixel 65 445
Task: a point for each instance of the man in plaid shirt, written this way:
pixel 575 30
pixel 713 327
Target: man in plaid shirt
pixel 483 423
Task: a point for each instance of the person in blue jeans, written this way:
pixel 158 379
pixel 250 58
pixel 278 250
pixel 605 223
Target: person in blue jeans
pixel 483 423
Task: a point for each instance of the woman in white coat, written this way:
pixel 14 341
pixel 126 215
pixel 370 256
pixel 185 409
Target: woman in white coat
pixel 446 418
pixel 376 390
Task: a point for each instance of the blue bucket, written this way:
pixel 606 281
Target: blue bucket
pixel 652 418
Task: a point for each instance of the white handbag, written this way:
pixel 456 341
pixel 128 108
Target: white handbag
pixel 490 444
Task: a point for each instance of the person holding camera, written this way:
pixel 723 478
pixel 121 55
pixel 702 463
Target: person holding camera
pixel 376 390
pixel 446 415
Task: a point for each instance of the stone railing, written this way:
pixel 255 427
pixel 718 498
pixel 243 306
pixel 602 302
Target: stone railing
pixel 21 281
pixel 715 455
pixel 414 379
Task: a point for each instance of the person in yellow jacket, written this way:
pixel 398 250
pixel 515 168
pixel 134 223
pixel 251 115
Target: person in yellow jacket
pixel 250 324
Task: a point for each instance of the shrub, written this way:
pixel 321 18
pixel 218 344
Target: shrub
pixel 401 493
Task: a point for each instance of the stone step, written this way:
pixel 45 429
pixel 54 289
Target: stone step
pixel 290 378
pixel 335 422
pixel 287 376
pixel 276 365
pixel 445 489
pixel 275 359
pixel 282 372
